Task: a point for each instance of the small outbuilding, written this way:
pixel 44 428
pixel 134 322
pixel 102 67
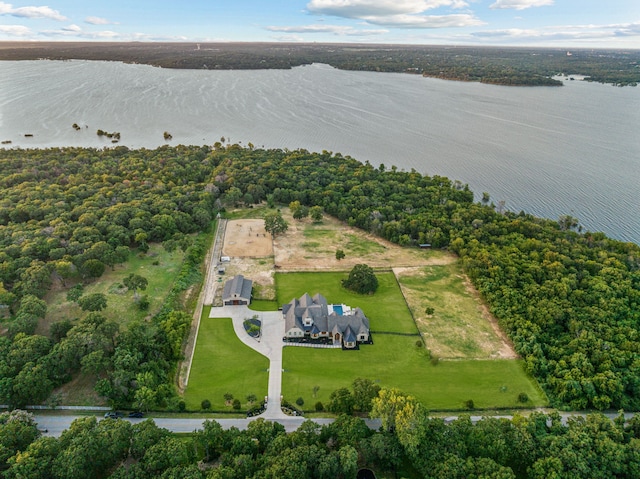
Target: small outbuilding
pixel 237 291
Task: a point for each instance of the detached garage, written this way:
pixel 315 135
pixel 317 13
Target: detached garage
pixel 237 291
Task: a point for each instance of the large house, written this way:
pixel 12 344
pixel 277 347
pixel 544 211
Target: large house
pixel 237 291
pixel 314 318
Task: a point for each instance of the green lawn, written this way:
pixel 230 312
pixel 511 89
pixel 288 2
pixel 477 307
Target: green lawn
pixel 386 309
pixel 393 360
pixel 263 305
pixel 223 364
pixel 120 304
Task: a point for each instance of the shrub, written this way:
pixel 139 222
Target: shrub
pixel 300 401
pixel 419 344
pixel 429 311
pixel 523 398
pixel 319 406
pixel 143 304
pixel 236 404
pixel 468 404
pixel 205 405
pixel 182 406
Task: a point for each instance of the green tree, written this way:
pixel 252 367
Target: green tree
pixel 316 213
pixel 340 254
pixel 135 282
pixel 361 279
pixel 275 224
pixel 75 292
pixel 364 391
pixel 92 268
pixel 93 302
pixel 341 401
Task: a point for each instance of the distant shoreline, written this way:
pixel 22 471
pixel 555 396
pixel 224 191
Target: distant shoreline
pixel 492 65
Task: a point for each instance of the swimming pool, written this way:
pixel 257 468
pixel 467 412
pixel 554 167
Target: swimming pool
pixel 338 309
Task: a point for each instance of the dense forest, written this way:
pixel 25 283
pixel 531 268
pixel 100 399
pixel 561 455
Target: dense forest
pixel 535 447
pixel 569 300
pixel 496 65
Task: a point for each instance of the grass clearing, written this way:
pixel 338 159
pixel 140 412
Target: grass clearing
pixel 461 326
pixel 120 304
pixel 223 364
pixel 386 309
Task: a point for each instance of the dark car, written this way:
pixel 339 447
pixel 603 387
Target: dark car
pixel 136 414
pixel 113 415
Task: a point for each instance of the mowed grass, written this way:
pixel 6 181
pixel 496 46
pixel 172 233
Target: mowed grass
pixel 458 328
pixel 393 360
pixel 223 364
pixel 386 309
pixel 120 303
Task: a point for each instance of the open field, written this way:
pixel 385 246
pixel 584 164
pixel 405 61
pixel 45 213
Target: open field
pixel 307 246
pixel 393 360
pixel 461 325
pixel 223 364
pixel 120 304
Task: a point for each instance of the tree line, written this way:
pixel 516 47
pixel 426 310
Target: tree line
pixel 410 443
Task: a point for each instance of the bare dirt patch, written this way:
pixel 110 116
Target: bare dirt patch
pixel 312 247
pixel 247 238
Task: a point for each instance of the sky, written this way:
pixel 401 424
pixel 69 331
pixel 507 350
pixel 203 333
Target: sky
pixel 544 23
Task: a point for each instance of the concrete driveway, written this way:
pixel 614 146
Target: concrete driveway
pixel 270 344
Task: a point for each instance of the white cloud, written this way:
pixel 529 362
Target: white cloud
pixel 99 21
pixel 15 30
pixel 365 8
pixel 425 21
pixel 574 34
pixel 396 13
pixel 520 4
pixel 31 12
pixel 335 29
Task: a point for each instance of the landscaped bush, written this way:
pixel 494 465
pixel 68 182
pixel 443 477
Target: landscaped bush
pixel 205 405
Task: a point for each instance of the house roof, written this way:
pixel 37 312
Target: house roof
pixel 311 314
pixel 237 288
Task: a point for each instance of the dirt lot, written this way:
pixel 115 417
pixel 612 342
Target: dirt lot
pixel 247 238
pixel 307 246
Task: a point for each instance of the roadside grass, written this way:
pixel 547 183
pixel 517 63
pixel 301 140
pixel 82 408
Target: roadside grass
pixel 386 309
pixel 223 364
pixel 120 303
pixel 395 361
pixel 457 328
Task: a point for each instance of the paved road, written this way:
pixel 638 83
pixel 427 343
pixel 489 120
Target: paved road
pixel 54 425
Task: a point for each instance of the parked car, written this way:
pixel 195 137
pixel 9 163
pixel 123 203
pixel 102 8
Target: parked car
pixel 113 415
pixel 136 414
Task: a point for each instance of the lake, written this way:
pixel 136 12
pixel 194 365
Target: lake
pixel 548 151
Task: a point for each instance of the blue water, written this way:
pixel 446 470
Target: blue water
pixel 338 309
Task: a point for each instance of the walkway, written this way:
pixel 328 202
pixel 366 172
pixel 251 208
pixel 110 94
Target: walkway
pixel 270 344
